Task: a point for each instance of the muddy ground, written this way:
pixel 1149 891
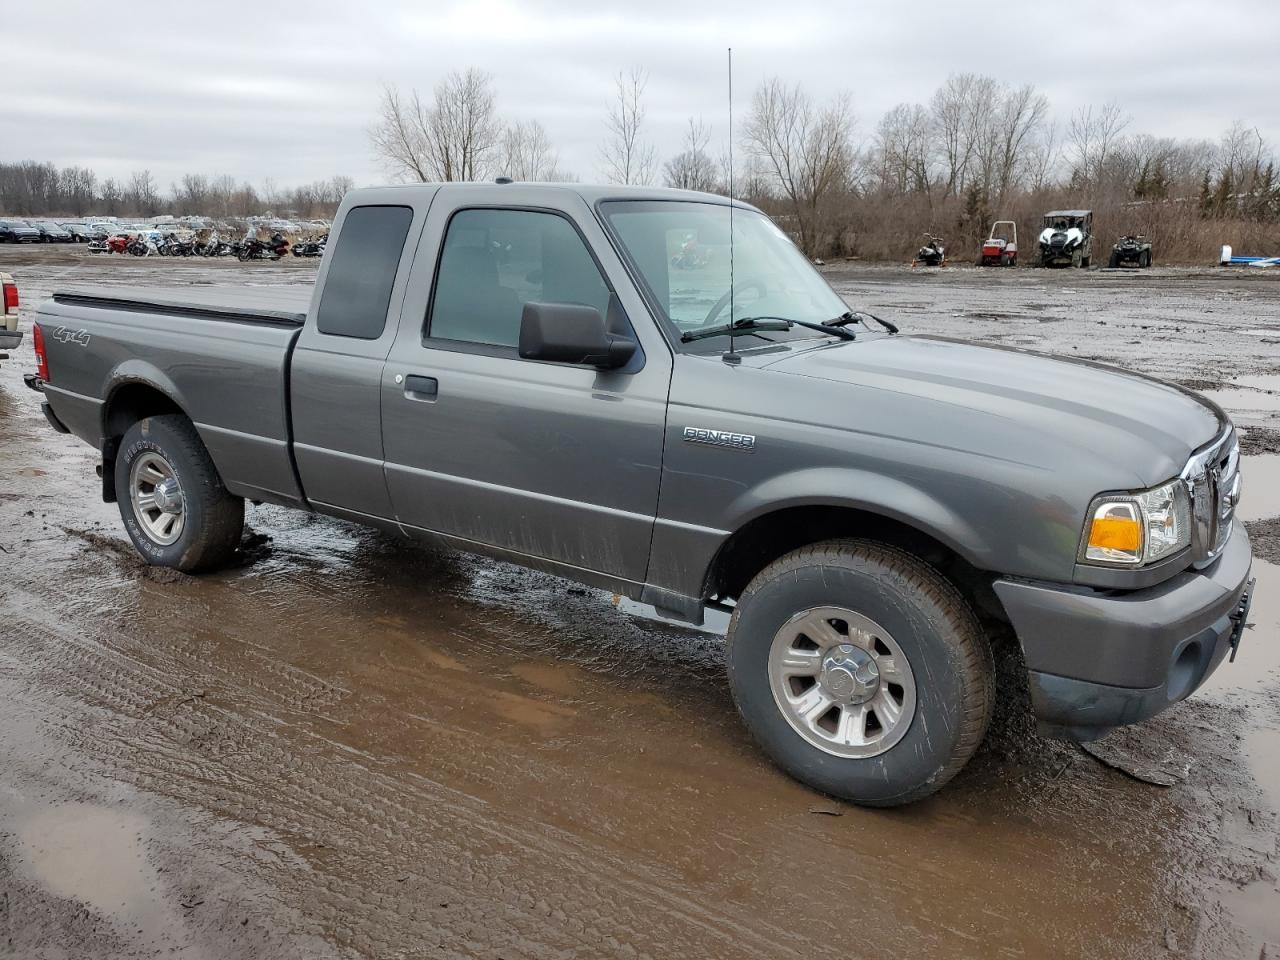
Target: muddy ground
pixel 351 747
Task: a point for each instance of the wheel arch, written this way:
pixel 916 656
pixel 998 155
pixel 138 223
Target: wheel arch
pixel 776 532
pixel 131 396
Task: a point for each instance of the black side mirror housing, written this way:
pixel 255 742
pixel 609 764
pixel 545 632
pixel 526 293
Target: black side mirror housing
pixel 572 333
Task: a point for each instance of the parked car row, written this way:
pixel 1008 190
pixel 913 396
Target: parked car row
pixel 90 230
pixel 35 231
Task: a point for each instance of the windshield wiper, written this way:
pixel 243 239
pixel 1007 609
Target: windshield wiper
pixel 756 324
pixel 856 316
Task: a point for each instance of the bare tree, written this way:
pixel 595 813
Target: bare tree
pixel 903 147
pixel 1017 120
pixel 112 197
pixel 956 109
pixel 692 168
pixel 807 149
pixel 527 153
pixel 79 186
pixel 1240 156
pixel 1042 156
pixel 455 137
pixel 1093 135
pixel 142 195
pixel 624 157
pixel 399 136
pixel 193 194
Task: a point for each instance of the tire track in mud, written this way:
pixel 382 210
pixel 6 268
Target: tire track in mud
pixel 383 849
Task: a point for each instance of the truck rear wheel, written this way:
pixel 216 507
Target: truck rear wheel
pixel 172 501
pixel 861 671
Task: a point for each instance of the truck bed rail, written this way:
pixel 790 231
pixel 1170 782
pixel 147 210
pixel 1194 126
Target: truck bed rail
pixel 259 306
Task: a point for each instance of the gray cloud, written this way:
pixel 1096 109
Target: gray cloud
pixel 287 91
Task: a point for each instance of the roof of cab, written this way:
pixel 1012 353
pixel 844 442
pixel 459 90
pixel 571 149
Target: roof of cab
pixel 591 193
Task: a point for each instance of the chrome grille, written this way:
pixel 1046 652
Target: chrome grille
pixel 1212 476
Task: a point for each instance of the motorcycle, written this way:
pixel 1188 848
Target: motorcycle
pixel 254 249
pixel 211 246
pixel 171 246
pixel 140 246
pixel 311 246
pixel 932 254
pixel 118 243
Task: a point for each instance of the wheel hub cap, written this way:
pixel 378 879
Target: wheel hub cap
pixel 849 674
pixel 157 498
pixel 842 682
pixel 169 496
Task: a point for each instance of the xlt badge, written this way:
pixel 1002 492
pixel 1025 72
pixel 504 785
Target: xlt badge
pixel 721 438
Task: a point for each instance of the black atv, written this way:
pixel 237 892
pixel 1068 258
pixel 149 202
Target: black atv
pixel 1131 251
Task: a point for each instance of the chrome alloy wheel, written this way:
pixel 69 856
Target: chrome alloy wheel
pixel 157 498
pixel 842 682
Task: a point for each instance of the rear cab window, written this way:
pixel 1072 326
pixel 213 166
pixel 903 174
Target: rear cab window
pixel 357 288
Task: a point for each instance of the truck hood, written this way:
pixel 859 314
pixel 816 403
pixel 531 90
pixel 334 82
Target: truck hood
pixel 1137 424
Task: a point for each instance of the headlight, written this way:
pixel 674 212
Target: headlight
pixel 1137 528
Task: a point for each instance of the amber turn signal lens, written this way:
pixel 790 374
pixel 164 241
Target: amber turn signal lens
pixel 1116 533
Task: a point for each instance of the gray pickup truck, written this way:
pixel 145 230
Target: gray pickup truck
pixel 654 392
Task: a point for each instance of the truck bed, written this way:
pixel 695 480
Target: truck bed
pixel 283 305
pixel 221 353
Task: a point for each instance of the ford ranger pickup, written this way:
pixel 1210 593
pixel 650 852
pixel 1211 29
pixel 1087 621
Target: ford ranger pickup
pixel 654 392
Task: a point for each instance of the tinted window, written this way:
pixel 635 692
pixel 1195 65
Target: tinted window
pixel 496 261
pixel 357 289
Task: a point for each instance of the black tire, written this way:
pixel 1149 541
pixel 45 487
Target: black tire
pixel 213 519
pixel 933 626
pixel 1146 258
pixel 1085 261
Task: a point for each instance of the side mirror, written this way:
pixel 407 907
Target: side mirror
pixel 571 333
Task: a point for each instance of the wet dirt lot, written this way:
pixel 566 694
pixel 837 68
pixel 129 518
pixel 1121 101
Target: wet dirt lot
pixel 351 747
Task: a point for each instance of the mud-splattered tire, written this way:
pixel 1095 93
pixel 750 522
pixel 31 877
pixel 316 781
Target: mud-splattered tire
pixel 924 619
pixel 212 520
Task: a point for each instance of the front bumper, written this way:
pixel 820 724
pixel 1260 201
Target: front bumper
pixel 1099 659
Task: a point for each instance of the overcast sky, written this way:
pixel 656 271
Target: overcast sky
pixel 289 90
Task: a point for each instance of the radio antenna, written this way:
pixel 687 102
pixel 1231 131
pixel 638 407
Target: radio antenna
pixel 731 356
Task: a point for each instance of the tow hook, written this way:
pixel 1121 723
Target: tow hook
pixel 1240 616
pixel 33 382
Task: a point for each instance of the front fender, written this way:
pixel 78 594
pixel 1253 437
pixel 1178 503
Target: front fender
pixel 885 496
pixel 684 554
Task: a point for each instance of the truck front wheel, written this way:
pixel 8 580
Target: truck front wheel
pixel 861 671
pixel 174 506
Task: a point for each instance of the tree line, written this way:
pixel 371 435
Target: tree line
pixel 977 150
pixel 33 188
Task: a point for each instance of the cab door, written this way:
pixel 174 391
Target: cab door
pixel 549 461
pixel 335 376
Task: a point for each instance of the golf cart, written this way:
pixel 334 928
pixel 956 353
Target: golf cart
pixel 1001 248
pixel 1067 238
pixel 1132 251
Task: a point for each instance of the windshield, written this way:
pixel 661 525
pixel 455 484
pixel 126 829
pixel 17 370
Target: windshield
pixel 681 250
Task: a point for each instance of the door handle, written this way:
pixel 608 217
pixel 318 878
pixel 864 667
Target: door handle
pixel 421 388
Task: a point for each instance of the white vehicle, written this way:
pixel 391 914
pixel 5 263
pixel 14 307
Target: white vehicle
pixel 1067 238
